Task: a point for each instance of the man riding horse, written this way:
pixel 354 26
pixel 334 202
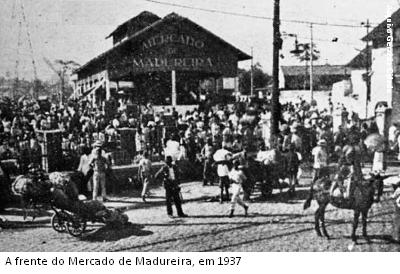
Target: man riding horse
pixel 361 194
pixel 349 172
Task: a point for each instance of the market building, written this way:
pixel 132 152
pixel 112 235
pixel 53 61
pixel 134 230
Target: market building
pixel 167 61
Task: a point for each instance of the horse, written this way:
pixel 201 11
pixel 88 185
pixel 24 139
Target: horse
pixel 365 194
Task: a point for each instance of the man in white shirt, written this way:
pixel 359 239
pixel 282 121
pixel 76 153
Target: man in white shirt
pixel 234 118
pixel 87 171
pixel 320 158
pixel 100 164
pixel 221 158
pixel 172 148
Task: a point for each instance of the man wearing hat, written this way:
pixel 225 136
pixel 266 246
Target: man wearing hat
pixel 169 174
pixel 99 164
pixel 320 165
pixel 320 155
pixel 296 139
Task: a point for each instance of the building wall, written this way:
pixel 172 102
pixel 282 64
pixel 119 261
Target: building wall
pixel 359 88
pixel 293 96
pixel 351 93
pixel 396 84
pixel 379 90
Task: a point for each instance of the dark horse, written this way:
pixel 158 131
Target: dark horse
pixel 365 194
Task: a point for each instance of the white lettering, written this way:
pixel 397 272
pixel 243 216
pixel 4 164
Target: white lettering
pixel 178 62
pixel 162 39
pixel 181 40
pixel 138 63
pixel 157 62
pixel 170 62
pixel 148 62
pixel 145 46
pixel 190 41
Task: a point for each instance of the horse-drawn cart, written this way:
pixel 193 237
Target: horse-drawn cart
pixel 59 191
pixel 74 217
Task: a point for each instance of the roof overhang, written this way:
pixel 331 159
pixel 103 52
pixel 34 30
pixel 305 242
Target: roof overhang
pixel 380 32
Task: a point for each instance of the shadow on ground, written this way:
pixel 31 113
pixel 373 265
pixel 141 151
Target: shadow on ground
pixel 22 225
pixel 39 212
pixel 109 233
pixel 375 239
pixel 284 197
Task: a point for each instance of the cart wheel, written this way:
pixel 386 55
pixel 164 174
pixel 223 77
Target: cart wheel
pixel 58 222
pixel 76 226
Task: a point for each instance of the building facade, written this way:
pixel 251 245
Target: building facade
pixel 385 67
pixel 167 60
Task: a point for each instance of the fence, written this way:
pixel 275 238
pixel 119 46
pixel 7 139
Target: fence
pixel 53 152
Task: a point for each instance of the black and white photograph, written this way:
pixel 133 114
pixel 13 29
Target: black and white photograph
pixel 199 126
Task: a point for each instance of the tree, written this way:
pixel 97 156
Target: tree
pixel 303 54
pixel 63 69
pixel 260 79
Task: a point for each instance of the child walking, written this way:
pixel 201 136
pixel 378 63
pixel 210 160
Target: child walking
pixel 237 177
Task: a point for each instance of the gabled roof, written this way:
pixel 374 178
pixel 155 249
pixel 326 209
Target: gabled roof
pixel 142 20
pixel 317 70
pixel 380 32
pixel 360 60
pixel 167 19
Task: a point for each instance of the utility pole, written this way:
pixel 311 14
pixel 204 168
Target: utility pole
pixel 251 75
pixel 311 63
pixel 367 68
pixel 275 111
pixel 62 85
pixel 18 11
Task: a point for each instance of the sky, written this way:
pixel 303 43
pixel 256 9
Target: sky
pixel 76 29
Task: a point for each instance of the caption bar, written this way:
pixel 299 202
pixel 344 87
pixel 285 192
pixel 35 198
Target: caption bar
pixel 13 261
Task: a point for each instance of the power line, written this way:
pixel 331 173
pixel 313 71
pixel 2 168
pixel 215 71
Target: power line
pixel 336 18
pixel 287 13
pixel 327 41
pixel 253 16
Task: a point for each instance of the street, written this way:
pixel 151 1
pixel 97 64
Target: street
pixel 278 224
pixel 96 98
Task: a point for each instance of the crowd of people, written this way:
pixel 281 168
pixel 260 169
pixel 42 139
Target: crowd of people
pixel 222 139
